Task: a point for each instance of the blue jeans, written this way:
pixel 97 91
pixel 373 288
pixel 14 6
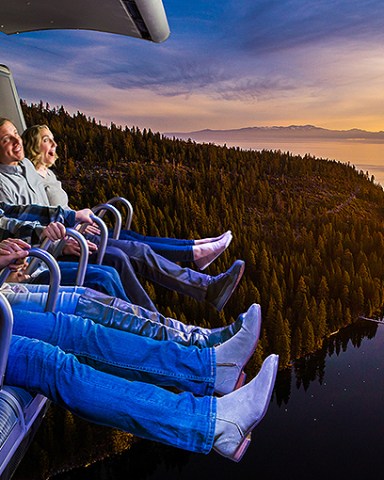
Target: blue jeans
pixel 98 277
pixel 117 314
pixel 113 378
pixel 174 249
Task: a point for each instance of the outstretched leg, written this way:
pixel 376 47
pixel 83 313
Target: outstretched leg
pixel 115 313
pixel 215 290
pixel 122 353
pixel 102 278
pixel 145 410
pixel 115 258
pixel 201 371
pixel 182 420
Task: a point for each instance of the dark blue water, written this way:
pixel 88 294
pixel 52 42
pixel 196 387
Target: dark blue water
pixel 326 420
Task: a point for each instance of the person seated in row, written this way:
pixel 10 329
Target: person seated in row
pixel 40 148
pixel 21 184
pixel 118 379
pixel 98 277
pixel 109 311
pixel 95 302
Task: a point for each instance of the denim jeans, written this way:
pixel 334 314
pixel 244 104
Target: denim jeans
pixel 174 249
pixel 98 277
pixel 113 378
pixel 117 314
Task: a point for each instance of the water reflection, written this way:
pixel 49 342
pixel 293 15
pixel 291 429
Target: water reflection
pixel 325 421
pixel 312 368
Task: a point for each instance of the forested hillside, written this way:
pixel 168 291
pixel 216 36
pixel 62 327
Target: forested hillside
pixel 310 230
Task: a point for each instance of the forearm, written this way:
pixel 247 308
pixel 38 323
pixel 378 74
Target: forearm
pixel 28 222
pixel 30 232
pixel 38 214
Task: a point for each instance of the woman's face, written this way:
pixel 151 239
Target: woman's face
pixel 47 147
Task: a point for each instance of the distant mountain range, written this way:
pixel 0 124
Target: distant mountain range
pixel 291 133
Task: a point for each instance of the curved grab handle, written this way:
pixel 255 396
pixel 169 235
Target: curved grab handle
pixel 6 324
pixel 128 206
pixel 84 255
pixel 34 263
pixel 83 259
pixel 55 276
pixel 102 208
pixel 103 238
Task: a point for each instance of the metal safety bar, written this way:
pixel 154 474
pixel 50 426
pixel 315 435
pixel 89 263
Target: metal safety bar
pixel 128 206
pixel 6 324
pixel 103 237
pixel 55 276
pixel 102 209
pixel 83 259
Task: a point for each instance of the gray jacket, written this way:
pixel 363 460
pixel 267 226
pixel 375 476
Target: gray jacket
pixel 22 185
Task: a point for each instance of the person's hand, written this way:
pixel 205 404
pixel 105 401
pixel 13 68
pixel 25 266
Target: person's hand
pixel 13 253
pixel 92 229
pixel 54 231
pixel 18 277
pixel 72 247
pixel 92 247
pixel 84 216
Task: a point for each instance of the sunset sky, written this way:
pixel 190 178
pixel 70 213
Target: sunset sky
pixel 227 64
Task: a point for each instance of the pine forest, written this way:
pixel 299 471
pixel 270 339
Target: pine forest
pixel 310 230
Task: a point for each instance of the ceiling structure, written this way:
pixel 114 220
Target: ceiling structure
pixel 136 18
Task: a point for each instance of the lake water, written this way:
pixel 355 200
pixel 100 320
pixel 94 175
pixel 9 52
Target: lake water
pixel 365 156
pixel 326 421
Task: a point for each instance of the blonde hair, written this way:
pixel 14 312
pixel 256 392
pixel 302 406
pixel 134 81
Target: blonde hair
pixel 31 140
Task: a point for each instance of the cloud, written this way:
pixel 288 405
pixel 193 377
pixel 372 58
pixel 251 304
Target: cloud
pixel 273 25
pixel 274 61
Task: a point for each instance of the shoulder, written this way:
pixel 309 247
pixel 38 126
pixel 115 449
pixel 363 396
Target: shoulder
pixel 7 170
pixel 51 179
pixel 27 163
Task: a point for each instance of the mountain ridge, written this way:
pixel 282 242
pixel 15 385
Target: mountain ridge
pixel 291 132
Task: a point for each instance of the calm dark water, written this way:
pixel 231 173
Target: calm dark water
pixel 326 420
